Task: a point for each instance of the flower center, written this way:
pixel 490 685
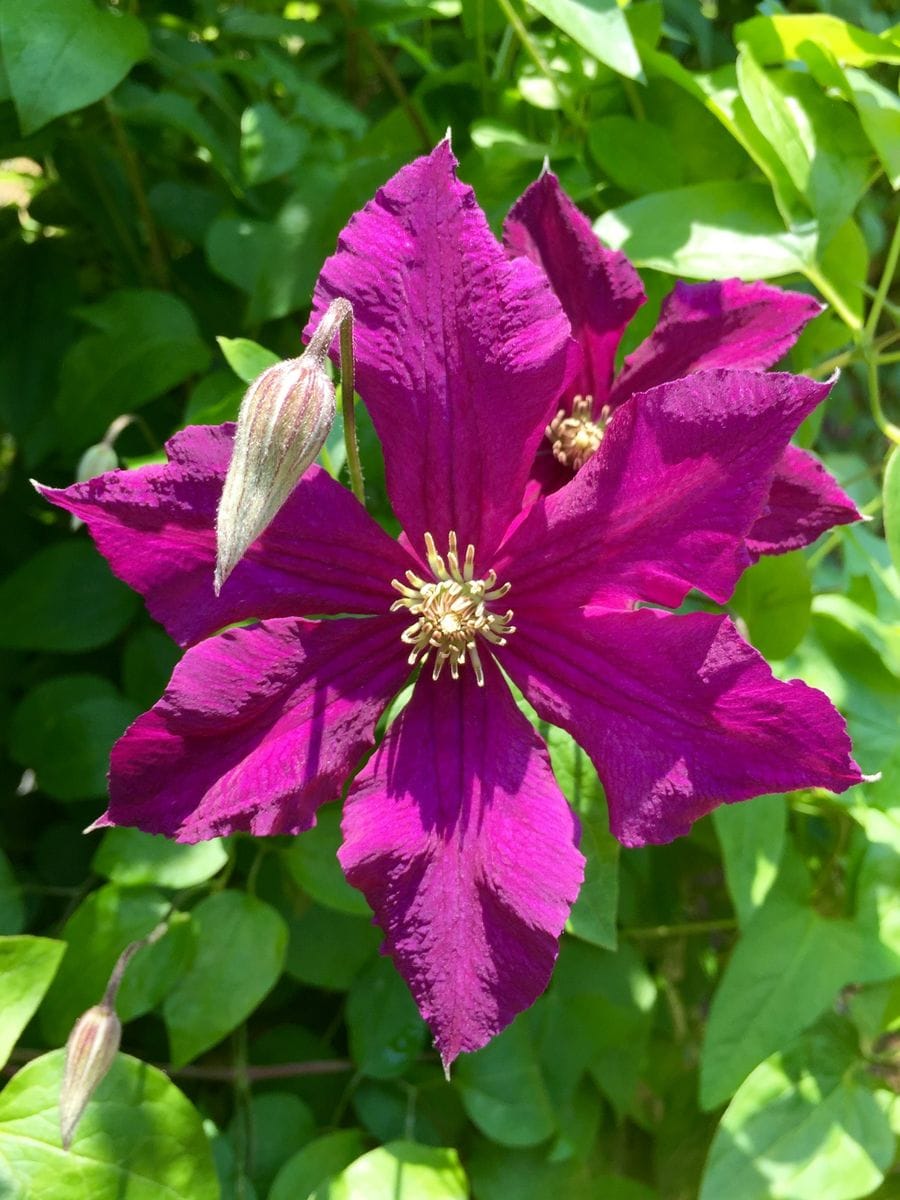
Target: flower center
pixel 576 436
pixel 452 611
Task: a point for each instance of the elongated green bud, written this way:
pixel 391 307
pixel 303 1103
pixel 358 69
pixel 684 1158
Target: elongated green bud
pixel 284 419
pixel 90 1051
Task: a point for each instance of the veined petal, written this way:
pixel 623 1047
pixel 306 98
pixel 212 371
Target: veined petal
pixel 678 714
pixel 464 846
pixel 156 525
pixel 461 352
pixel 803 502
pixel 667 502
pixel 258 727
pixel 599 289
pixel 721 324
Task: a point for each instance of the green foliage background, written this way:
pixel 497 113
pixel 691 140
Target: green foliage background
pixel 724 1021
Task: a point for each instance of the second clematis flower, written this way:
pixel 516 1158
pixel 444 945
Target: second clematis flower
pixel 725 324
pixel 455 829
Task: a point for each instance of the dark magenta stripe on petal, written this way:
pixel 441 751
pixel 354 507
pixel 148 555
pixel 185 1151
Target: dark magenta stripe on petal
pixel 156 525
pixel 803 502
pixel 678 714
pixel 599 289
pixel 464 846
pixel 258 727
pixel 461 352
pixel 667 502
pixel 721 324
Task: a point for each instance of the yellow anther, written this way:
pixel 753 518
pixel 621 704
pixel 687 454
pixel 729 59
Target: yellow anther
pixel 575 436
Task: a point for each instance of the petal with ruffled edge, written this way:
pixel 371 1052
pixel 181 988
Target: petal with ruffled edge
pixel 461 352
pixel 599 289
pixel 156 525
pixel 258 727
pixel 464 846
pixel 803 502
pixel 726 323
pixel 678 714
pixel 668 500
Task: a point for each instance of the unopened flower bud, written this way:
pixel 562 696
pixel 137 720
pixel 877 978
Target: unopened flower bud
pixel 90 1051
pixel 284 419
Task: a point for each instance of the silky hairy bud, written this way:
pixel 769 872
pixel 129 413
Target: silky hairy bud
pixel 90 1050
pixel 283 422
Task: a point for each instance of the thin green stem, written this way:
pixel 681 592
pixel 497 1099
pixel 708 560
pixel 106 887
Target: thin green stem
pixel 689 929
pixel 531 49
pixel 888 428
pixel 348 410
pixel 850 319
pixel 159 267
pixel 885 360
pixel 887 276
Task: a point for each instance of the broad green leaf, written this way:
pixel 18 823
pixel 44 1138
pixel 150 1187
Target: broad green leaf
pixel 774 598
pixel 216 398
pixel 804 1126
pixel 600 27
pixel 879 114
pixel 386 1032
pixel 27 966
pixel 502 1089
pixel 279 1122
pixel 139 1138
pixel 132 858
pixel 328 948
pixel 785 972
pixel 246 358
pixel 12 908
pixel 622 147
pixel 96 933
pixel 400 1171
pixel 845 265
pixel 148 659
pixel 878 901
pixel 693 230
pixel 63 599
pixel 146 343
pixel 173 111
pixel 892 507
pixel 499 1173
pixel 270 146
pixel 61 55
pixel 241 944
pixel 64 730
pixel 882 636
pixel 783 37
pixel 302 1174
pixel 312 862
pixel 751 835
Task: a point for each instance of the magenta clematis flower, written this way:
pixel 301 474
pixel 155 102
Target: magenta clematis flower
pixel 702 326
pixel 455 829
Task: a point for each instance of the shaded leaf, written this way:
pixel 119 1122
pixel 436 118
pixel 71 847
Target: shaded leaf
pixel 27 966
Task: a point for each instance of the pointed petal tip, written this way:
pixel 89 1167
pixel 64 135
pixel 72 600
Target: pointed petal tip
pixel 545 167
pixel 870 778
pixel 447 1063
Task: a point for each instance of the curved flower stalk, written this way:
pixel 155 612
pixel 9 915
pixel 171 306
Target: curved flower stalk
pixel 455 829
pixel 702 326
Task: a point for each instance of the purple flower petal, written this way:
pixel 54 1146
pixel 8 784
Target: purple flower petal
pixel 156 526
pixel 804 501
pixel 598 288
pixel 461 352
pixel 668 500
pixel 464 846
pixel 257 728
pixel 723 324
pixel 678 714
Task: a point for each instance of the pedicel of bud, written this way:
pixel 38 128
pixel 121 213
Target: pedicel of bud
pixel 90 1050
pixel 284 419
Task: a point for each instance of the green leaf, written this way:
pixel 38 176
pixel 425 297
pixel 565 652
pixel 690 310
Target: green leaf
pixel 785 972
pixel 883 637
pixel 63 599
pixel 804 1126
pixel 503 1091
pixel 693 230
pixel 622 147
pixel 140 1137
pixel 270 146
pixel 316 1163
pixel 279 1122
pixel 386 1032
pixel 782 37
pixel 12 908
pixel 845 265
pixel 400 1171
pixel 246 358
pixel 891 495
pixel 751 835
pixel 328 949
pixel 64 730
pixel 61 55
pixel 600 27
pixel 148 659
pixel 147 343
pixel 775 597
pixel 241 944
pixel 97 933
pixel 879 114
pixel 132 858
pixel 27 966
pixel 498 1173
pixel 312 863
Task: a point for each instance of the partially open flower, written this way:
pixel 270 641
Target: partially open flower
pixel 90 1050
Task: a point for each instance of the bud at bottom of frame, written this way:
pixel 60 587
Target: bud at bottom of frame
pixel 90 1050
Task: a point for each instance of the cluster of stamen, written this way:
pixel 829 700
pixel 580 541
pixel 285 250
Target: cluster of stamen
pixel 575 436
pixel 452 611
